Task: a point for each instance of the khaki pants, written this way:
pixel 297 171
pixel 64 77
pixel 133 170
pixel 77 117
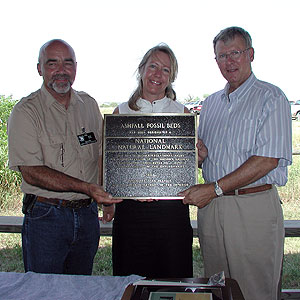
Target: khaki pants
pixel 244 237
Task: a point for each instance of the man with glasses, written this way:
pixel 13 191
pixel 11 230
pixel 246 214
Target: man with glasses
pixel 245 143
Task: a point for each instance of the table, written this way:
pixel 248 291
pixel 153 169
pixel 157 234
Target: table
pixel 231 290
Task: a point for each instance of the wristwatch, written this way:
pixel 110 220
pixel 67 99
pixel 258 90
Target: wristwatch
pixel 218 190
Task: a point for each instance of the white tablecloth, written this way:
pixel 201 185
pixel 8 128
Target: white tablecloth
pixel 34 286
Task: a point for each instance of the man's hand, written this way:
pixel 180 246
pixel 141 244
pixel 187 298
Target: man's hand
pixel 108 213
pixel 202 151
pixel 54 180
pixel 199 195
pixel 250 171
pixel 100 196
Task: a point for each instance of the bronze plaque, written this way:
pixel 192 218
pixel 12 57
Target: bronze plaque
pixel 149 155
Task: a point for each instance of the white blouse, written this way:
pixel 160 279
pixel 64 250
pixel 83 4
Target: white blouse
pixel 164 105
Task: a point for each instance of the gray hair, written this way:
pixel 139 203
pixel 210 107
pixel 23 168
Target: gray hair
pixel 45 46
pixel 170 93
pixel 230 33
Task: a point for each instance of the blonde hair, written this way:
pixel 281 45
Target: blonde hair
pixel 170 93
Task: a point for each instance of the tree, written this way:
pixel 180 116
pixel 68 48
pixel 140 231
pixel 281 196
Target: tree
pixel 6 105
pixel 109 104
pixel 9 180
pixel 191 98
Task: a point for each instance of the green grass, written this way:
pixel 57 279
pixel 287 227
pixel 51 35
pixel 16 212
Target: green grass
pixel 11 253
pixel 11 250
pixel 103 260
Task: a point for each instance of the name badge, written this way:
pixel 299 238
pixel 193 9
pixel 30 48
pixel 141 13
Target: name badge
pixel 86 138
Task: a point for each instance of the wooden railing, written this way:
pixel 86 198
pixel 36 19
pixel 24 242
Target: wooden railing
pixel 13 224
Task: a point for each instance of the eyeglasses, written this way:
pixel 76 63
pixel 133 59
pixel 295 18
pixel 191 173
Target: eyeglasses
pixel 234 55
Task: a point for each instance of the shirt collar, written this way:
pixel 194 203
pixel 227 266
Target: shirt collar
pixel 159 104
pixel 157 101
pixel 49 100
pixel 241 90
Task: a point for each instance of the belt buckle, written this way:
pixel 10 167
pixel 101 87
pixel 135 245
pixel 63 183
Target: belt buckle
pixel 74 204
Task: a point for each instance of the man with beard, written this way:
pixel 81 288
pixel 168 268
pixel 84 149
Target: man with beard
pixel 54 138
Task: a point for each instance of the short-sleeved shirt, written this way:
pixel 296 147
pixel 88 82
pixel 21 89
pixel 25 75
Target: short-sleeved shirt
pixel 42 132
pixel 164 105
pixel 254 120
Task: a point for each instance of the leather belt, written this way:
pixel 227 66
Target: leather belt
pixel 250 190
pixel 73 204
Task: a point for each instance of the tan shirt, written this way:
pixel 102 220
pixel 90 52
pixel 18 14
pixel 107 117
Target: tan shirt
pixel 42 132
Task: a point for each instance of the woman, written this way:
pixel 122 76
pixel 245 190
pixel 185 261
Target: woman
pixel 153 239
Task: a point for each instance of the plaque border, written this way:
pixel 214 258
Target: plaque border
pixel 141 115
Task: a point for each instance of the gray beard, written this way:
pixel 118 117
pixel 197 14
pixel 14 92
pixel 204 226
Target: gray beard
pixel 60 89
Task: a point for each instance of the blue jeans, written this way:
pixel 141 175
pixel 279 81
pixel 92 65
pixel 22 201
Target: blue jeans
pixel 60 240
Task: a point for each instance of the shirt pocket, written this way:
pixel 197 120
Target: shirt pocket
pixel 242 136
pixel 90 152
pixel 53 148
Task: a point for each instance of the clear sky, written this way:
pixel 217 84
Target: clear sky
pixel 110 37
